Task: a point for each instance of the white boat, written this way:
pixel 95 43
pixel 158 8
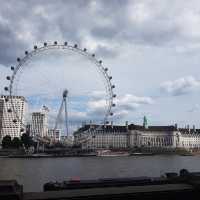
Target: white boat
pixel 109 153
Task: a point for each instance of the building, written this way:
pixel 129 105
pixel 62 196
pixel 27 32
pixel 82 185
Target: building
pixel 132 136
pixel 54 134
pixel 67 140
pixel 39 124
pixel 12 115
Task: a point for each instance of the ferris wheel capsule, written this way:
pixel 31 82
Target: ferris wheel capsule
pixel 12 68
pixel 45 44
pixel 6 88
pixel 93 55
pixel 105 69
pixel 35 47
pixel 75 46
pixel 113 105
pixel 111 114
pixel 18 59
pixel 26 52
pixel 113 86
pixel 110 77
pixel 55 43
pixel 100 62
pixel 84 49
pixel 8 77
pixel 114 95
pixel 65 43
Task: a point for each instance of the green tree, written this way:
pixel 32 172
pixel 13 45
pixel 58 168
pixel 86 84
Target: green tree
pixel 7 142
pixel 26 140
pixel 16 143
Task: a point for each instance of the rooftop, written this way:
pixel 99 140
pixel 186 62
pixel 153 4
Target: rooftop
pixel 125 128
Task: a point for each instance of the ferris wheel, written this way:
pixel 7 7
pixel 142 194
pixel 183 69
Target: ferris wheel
pixel 22 82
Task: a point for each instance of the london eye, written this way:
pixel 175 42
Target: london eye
pixel 67 80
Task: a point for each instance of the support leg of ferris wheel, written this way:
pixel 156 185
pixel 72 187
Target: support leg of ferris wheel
pixel 63 106
pixel 66 113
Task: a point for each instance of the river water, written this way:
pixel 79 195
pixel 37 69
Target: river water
pixel 33 173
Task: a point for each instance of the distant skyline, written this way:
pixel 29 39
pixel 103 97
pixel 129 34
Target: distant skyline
pixel 151 47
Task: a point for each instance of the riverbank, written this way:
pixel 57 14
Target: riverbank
pixel 12 153
pixel 46 156
pixel 32 156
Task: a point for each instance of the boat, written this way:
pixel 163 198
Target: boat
pixel 186 154
pixel 168 178
pixel 109 153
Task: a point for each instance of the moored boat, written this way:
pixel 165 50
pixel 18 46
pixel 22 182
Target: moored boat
pixel 109 153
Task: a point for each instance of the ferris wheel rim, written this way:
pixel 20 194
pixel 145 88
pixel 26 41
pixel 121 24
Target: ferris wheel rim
pixel 65 46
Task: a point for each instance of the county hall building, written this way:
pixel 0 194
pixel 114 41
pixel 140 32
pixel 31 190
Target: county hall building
pixel 128 136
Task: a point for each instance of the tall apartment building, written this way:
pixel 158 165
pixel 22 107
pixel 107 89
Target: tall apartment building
pixel 39 124
pixel 12 115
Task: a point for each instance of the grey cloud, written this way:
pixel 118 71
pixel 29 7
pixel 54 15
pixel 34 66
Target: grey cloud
pixel 105 32
pixel 124 105
pixel 109 22
pixel 150 36
pixel 131 102
pixel 104 52
pixel 10 45
pixel 180 86
pixel 45 24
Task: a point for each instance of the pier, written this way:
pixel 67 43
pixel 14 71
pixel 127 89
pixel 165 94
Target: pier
pixel 186 185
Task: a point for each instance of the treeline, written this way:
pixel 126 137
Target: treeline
pixel 24 141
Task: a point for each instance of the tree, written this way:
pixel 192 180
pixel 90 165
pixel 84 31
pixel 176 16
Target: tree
pixel 26 140
pixel 16 143
pixel 7 142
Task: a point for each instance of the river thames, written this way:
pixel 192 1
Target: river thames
pixel 33 173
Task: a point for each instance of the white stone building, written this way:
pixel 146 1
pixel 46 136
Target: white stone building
pixel 136 136
pixel 12 115
pixel 189 138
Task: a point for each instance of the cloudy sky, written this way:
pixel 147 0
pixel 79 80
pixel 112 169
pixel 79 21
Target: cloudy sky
pixel 151 47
